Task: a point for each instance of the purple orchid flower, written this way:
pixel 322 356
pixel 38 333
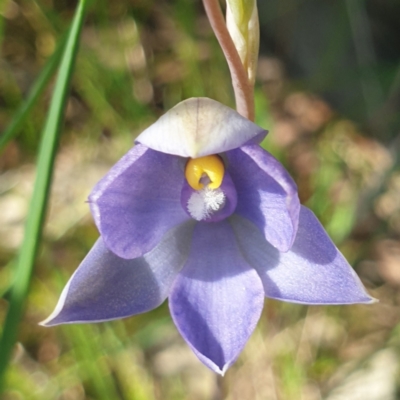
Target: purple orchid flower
pixel 198 212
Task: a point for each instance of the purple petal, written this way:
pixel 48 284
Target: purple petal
pixel 312 272
pixel 199 127
pixel 107 287
pixel 267 195
pixel 138 201
pixel 217 298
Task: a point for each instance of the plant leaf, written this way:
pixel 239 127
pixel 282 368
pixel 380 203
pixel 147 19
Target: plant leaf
pixel 35 218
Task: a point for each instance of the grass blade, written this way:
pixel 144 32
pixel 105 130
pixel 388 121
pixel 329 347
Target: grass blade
pixel 38 203
pixel 35 92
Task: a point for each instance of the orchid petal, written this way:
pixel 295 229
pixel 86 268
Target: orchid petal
pixel 107 287
pixel 312 272
pixel 267 195
pixel 217 298
pixel 198 127
pixel 138 201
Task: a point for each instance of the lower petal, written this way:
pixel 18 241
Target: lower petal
pixel 313 271
pixel 107 287
pixel 217 298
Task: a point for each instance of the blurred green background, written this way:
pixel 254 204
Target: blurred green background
pixel 328 92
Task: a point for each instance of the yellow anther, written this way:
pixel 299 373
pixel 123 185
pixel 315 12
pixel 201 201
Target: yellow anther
pixel 212 166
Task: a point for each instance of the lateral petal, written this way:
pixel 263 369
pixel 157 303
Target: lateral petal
pixel 313 271
pixel 107 287
pixel 267 195
pixel 138 201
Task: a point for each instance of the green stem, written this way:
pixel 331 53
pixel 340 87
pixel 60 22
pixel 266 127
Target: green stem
pixel 242 88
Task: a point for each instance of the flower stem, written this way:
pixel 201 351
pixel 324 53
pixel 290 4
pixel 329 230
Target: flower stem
pixel 243 90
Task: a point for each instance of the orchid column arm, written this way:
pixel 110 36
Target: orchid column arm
pixel 242 88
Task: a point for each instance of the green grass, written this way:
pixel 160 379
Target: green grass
pixel 37 210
